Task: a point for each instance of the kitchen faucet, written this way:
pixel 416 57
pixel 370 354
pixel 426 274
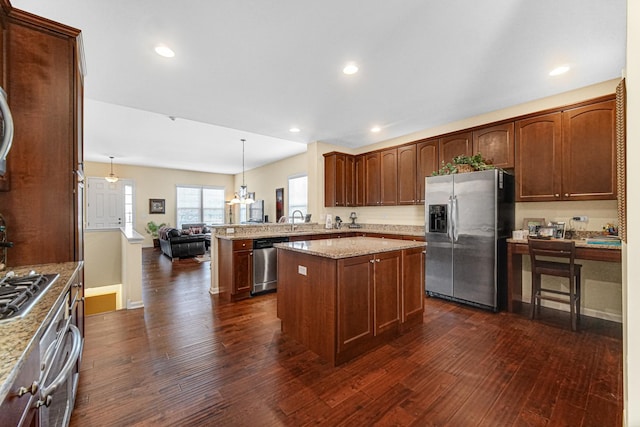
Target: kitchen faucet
pixel 293 218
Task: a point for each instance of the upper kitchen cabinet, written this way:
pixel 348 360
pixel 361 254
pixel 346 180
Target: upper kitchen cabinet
pixel 389 177
pixel 359 180
pixel 496 144
pixel 381 177
pixel 567 155
pixel 538 163
pixel 372 179
pixel 43 77
pixel 455 145
pixel 589 152
pixel 427 163
pixel 407 194
pixel 335 185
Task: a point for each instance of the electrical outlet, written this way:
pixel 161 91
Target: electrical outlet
pixel 302 270
pixel 581 218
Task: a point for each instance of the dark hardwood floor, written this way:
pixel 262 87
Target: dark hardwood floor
pixel 190 359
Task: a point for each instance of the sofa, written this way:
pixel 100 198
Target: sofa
pixel 176 243
pixel 200 228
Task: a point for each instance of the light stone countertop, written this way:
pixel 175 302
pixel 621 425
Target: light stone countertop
pixel 348 247
pixel 21 336
pixel 305 230
pixel 580 243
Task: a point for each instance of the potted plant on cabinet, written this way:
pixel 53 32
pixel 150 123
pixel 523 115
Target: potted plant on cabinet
pixel 461 164
pixel 152 228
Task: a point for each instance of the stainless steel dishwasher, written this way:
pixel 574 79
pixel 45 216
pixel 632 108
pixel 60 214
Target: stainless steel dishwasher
pixel 265 264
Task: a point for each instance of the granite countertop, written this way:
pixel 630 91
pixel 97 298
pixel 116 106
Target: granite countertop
pixel 348 247
pixel 284 230
pixel 21 336
pixel 580 243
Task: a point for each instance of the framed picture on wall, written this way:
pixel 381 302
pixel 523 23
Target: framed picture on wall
pixel 156 206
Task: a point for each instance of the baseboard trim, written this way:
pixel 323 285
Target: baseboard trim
pixel 131 305
pixel 585 311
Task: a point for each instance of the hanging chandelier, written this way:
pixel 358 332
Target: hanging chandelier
pixel 242 197
pixel 111 177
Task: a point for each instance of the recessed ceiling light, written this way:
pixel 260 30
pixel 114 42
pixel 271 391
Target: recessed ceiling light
pixel 350 68
pixel 559 70
pixel 163 50
pixel 294 130
pixel 375 129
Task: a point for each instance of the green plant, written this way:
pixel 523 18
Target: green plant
pixel 476 162
pixel 152 228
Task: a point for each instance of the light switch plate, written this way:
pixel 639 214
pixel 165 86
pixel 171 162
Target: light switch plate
pixel 302 270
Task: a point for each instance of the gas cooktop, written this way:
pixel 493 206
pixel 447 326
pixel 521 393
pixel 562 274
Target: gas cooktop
pixel 18 294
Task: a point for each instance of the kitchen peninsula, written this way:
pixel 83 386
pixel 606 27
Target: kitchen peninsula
pixel 342 297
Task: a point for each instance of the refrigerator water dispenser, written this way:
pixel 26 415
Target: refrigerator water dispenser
pixel 437 218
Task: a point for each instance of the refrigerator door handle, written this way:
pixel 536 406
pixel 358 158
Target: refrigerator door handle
pixel 454 219
pixel 449 219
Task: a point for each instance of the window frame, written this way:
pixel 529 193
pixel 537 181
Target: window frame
pixel 202 207
pixel 290 193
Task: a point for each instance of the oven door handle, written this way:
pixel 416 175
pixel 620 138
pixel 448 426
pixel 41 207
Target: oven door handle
pixel 46 391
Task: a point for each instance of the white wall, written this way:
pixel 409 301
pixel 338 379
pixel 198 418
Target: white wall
pixel 631 251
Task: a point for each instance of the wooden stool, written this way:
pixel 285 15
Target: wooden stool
pixel 558 249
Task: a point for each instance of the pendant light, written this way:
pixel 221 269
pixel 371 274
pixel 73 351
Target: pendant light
pixel 243 196
pixel 111 177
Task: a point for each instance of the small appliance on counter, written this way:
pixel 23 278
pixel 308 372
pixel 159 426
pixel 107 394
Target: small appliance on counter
pixel 353 218
pixel 338 222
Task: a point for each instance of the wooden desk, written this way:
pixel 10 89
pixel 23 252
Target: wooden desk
pixel 517 248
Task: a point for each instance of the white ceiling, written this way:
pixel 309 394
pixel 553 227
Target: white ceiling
pixel 254 68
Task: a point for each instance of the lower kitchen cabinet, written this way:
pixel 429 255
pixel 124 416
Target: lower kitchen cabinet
pixel 19 407
pixel 340 308
pixel 235 267
pixel 413 264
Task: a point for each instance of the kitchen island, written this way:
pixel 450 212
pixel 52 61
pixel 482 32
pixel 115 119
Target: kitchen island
pixel 343 297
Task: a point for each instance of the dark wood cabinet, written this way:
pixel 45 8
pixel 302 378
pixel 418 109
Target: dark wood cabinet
pixel 496 144
pixel 342 308
pixel 372 179
pixel 43 80
pixel 567 155
pixel 19 408
pixel 235 268
pixel 407 169
pixel 455 145
pixel 413 286
pixel 589 152
pixel 562 154
pixel 334 179
pixel 387 269
pixel 359 180
pixel 349 181
pixel 538 163
pixel 355 302
pixel 389 177
pixel 428 161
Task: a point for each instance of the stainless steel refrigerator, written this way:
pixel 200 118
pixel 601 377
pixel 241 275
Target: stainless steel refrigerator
pixel 469 217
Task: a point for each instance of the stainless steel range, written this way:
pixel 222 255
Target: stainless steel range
pixel 50 388
pixel 19 293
